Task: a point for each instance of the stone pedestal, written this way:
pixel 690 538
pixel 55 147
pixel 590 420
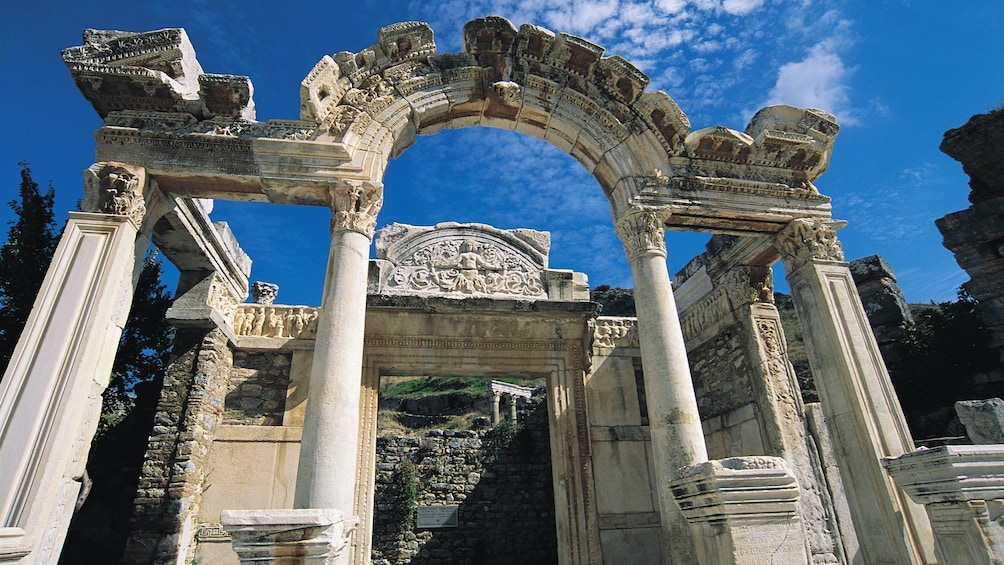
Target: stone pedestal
pixel 742 510
pixel 288 537
pixel 962 488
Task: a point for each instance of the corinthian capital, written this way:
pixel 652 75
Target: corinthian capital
pixel 806 240
pixel 354 206
pixel 114 188
pixel 746 284
pixel 642 233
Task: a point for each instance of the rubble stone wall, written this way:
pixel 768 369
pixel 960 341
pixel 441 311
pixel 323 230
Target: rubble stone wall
pixel 505 497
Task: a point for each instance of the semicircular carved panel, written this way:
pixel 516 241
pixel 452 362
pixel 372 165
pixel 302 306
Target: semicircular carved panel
pixel 462 260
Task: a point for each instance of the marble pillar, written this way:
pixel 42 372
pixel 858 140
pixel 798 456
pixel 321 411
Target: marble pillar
pixel 860 405
pixel 496 413
pixel 329 450
pixel 675 423
pixel 50 397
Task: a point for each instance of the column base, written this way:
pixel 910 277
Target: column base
pixel 288 537
pixel 962 489
pixel 742 511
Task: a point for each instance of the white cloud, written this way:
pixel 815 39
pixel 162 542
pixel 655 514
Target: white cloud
pixel 817 81
pixel 741 7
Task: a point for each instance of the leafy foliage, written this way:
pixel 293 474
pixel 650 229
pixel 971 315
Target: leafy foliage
pixel 24 259
pixel 144 345
pixel 943 346
pixel 615 301
pixel 498 439
pixel 404 495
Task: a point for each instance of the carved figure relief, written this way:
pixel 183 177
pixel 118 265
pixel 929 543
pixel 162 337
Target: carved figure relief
pixel 616 332
pixel 295 322
pixel 468 267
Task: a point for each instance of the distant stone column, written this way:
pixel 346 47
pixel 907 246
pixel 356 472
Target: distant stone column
pixel 860 405
pixel 675 423
pixel 50 397
pixel 513 408
pixel 496 413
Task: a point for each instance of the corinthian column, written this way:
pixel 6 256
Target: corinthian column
pixel 860 405
pixel 675 424
pixel 50 397
pixel 327 470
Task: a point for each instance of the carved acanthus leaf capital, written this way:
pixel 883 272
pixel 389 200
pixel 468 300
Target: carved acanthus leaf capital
pixel 114 188
pixel 747 285
pixel 805 240
pixel 642 233
pixel 355 205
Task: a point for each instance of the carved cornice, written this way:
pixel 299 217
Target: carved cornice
pixel 355 205
pixel 642 233
pixel 809 240
pixel 114 188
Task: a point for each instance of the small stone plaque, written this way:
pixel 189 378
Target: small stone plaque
pixel 445 516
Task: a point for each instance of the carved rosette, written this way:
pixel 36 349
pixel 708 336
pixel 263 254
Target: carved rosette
pixel 113 188
pixel 747 285
pixel 642 233
pixel 355 205
pixel 806 240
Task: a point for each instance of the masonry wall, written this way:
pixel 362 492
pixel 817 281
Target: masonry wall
pixel 505 498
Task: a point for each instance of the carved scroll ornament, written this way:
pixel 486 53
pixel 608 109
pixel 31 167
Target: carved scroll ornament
pixel 114 189
pixel 747 285
pixel 642 233
pixel 806 240
pixel 355 205
pixel 467 266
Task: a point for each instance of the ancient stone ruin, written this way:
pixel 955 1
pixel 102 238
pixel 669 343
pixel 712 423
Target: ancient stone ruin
pixel 264 439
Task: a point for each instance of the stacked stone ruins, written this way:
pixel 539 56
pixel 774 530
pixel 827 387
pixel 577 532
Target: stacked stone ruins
pixel 264 441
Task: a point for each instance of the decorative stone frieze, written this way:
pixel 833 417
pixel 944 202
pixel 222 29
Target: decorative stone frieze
pixel 354 206
pixel 615 332
pixel 806 240
pixel 462 260
pixel 295 322
pixel 642 233
pixel 112 188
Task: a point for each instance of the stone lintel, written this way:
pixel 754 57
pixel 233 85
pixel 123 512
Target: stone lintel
pixel 287 537
pixel 742 510
pixel 950 473
pixel 735 206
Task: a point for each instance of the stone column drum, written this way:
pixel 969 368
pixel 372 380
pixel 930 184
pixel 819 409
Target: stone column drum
pixel 675 423
pixel 861 407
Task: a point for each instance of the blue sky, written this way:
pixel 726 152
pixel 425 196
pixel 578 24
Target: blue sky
pixel 897 74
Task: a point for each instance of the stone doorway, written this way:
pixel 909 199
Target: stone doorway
pixel 450 487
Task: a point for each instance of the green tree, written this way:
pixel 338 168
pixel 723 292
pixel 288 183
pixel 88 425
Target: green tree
pixel 144 345
pixel 944 346
pixel 24 259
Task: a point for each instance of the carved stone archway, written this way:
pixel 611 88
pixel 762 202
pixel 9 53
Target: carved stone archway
pixel 193 134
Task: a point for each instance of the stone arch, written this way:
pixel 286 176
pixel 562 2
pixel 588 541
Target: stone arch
pixel 556 87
